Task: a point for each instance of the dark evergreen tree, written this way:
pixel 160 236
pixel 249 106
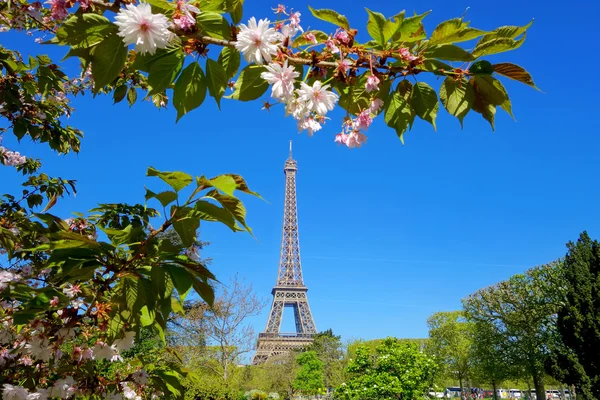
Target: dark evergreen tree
pixel 575 357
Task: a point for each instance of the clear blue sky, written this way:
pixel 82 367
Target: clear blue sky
pixel 389 234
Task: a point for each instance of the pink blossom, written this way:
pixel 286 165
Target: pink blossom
pixel 342 36
pixel 363 121
pixel 372 83
pixel 344 66
pixel 406 55
pixel 331 46
pixel 341 138
pixel 84 4
pixel 309 124
pixel 295 19
pixel 280 9
pixel 54 301
pixel 11 158
pixel 310 37
pixel 375 106
pixel 72 290
pixel 185 22
pixel 356 139
pixel 58 9
pixel 26 360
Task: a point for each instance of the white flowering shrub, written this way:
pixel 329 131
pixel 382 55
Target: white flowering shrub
pixel 76 293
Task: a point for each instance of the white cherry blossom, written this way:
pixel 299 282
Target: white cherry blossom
pixel 257 41
pixel 317 97
pixel 138 26
pixel 282 78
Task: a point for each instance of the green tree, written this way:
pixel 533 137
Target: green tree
pixel 395 370
pixel 330 351
pixel 522 311
pixel 575 354
pixel 489 361
pixel 310 378
pixel 451 341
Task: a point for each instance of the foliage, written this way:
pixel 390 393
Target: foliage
pixel 63 282
pixel 490 361
pixel 274 376
pixel 395 370
pixel 451 341
pixel 574 359
pixel 310 378
pixel 522 311
pixel 328 348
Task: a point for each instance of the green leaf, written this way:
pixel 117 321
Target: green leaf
pixel 392 25
pixel 146 316
pixel 411 29
pixel 330 16
pixel 108 61
pixel 214 25
pixel 186 224
pixel 454 31
pixel 237 11
pixel 190 89
pixel 143 62
pixel 205 291
pixel 249 85
pixel 233 205
pixel 493 91
pixel 160 5
pixel 219 6
pixel 224 183
pixel 482 105
pixel 229 59
pixel 424 101
pixel 164 70
pixel 85 30
pixel 497 45
pixel 215 80
pixel 435 66
pixel 399 114
pixel 177 180
pixel 131 96
pixel 515 72
pixel 22 317
pixel 448 52
pixel 375 26
pixel 510 32
pixel 210 212
pixel 303 41
pixel 457 97
pixel 165 198
pixel 182 279
pixel 119 93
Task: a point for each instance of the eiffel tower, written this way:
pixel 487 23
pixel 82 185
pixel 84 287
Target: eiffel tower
pixel 289 291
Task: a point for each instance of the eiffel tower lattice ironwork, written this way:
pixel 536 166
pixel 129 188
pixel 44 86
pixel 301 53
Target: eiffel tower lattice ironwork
pixel 289 291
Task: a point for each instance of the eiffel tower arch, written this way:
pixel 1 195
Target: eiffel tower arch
pixel 289 290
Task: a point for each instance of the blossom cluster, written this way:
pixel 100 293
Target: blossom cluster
pixel 8 157
pixel 352 133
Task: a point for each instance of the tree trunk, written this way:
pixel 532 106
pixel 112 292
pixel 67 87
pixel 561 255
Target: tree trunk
pixel 540 392
pixel 494 389
pixel 461 387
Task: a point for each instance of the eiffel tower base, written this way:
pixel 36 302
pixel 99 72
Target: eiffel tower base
pixel 271 345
